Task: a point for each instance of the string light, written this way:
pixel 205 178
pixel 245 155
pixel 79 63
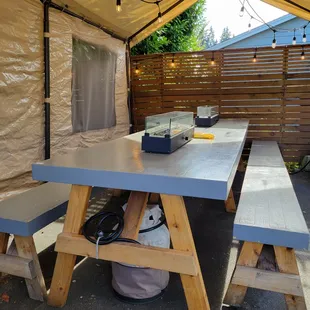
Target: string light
pixel 302 54
pixel 259 19
pixel 212 59
pixel 137 71
pixel 274 41
pixel 118 6
pixel 294 38
pixel 304 37
pixel 254 57
pixel 250 24
pixel 241 13
pixel 160 15
pixel 157 2
pixel 172 61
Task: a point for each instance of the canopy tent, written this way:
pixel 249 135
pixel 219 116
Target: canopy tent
pixel 137 19
pixel 299 8
pixel 43 81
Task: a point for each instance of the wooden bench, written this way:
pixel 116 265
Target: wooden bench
pixel 268 214
pixel 22 216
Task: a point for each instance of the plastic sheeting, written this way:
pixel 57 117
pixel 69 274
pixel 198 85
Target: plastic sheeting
pixel 22 95
pixel 21 91
pixel 63 28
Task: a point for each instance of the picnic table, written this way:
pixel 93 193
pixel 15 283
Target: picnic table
pixel 201 168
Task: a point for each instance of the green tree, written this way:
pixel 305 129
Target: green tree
pixel 226 35
pixel 184 33
pixel 209 38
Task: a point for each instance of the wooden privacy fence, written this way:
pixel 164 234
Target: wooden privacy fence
pixel 273 93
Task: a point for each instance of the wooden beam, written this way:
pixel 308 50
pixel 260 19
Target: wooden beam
pixel 26 249
pixel 285 6
pixel 134 214
pixel 154 198
pixel 230 204
pixel 287 263
pixel 17 266
pixel 4 239
pixel 117 192
pixel 241 165
pixel 182 239
pixel 129 253
pixel 268 280
pixel 76 212
pixel 249 255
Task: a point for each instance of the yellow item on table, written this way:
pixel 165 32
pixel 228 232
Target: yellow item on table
pixel 201 135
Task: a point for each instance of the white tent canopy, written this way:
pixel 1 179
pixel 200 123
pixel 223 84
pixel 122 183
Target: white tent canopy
pixel 137 19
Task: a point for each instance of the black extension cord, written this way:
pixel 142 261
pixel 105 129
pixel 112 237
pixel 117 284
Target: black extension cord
pixel 301 169
pixel 107 236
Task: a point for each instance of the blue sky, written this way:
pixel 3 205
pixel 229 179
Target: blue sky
pixel 222 13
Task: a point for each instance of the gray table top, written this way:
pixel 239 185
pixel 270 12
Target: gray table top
pixel 201 168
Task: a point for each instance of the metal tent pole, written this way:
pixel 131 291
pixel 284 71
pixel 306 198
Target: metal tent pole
pixel 46 43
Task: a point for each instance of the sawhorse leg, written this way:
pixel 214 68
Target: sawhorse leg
pixel 4 239
pixel 246 274
pixel 230 204
pixel 182 239
pixel 26 249
pixel 75 217
pixel 76 212
pixel 154 198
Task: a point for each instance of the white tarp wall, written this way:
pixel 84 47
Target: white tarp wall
pixel 22 88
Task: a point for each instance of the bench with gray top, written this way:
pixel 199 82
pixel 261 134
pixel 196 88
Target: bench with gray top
pixel 23 215
pixel 268 214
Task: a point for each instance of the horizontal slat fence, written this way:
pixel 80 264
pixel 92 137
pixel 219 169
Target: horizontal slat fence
pixel 273 93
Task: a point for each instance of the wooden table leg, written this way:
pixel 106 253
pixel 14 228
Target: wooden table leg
pixel 26 249
pixel 134 214
pixel 286 261
pixel 4 239
pixel 76 212
pixel 241 166
pixel 117 193
pixel 154 198
pixel 182 239
pixel 230 204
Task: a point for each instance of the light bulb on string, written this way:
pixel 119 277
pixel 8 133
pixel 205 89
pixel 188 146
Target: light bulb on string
pixel 160 17
pixel 250 23
pixel 172 62
pixel 274 41
pixel 137 71
pixel 302 54
pixel 212 59
pixel 294 38
pixel 255 56
pixel 304 37
pixel 241 13
pixel 118 6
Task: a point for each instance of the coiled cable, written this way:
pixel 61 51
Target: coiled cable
pixel 103 235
